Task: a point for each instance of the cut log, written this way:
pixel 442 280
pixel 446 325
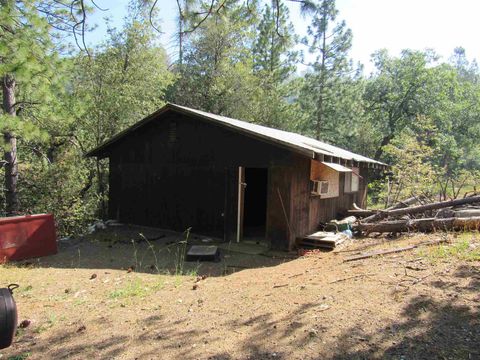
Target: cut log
pixel 356 207
pixel 400 205
pixel 422 225
pixel 462 213
pixel 422 208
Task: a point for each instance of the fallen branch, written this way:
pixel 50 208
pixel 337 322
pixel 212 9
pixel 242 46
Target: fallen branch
pixel 423 225
pixel 402 204
pixel 356 207
pixel 415 268
pixel 423 208
pixel 392 251
pixel 296 275
pixel 351 277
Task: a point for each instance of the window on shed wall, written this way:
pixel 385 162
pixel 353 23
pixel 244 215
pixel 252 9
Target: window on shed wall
pixel 348 183
pixel 355 182
pixel 351 182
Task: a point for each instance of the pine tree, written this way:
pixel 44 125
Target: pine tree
pixel 328 81
pixel 273 65
pixel 273 45
pixel 27 61
pixel 216 74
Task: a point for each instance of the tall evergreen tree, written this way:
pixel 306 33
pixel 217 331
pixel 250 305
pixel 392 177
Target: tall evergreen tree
pixel 216 74
pixel 27 62
pixel 273 64
pixel 272 49
pixel 327 85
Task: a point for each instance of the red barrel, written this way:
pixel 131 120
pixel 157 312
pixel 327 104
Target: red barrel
pixel 24 237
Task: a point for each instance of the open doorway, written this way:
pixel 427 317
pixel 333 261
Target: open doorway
pixel 255 203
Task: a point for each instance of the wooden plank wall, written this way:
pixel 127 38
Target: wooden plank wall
pixel 300 193
pixel 307 211
pixel 323 210
pixel 278 207
pixel 186 176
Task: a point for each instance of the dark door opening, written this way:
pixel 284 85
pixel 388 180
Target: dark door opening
pixel 255 204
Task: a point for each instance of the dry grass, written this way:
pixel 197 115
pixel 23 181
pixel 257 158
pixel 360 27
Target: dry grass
pixel 420 304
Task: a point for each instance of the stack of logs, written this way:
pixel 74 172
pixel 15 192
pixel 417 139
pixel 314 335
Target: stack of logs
pixel 458 214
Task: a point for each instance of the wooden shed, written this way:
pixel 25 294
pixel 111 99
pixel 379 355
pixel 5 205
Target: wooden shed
pixel 183 168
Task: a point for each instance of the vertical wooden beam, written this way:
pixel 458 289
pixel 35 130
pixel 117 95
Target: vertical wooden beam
pixel 241 201
pixel 226 212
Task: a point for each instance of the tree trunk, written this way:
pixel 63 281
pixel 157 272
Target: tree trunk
pixel 10 156
pixel 400 205
pixel 427 207
pixel 424 225
pixel 320 105
pixel 385 141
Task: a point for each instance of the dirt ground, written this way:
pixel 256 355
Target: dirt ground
pixel 104 297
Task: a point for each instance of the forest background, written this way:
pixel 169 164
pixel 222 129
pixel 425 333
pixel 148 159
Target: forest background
pixel 238 58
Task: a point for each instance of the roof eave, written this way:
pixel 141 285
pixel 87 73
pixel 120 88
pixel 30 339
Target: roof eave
pixel 101 150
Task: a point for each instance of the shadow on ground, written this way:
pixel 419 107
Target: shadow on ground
pixel 152 250
pixel 429 328
pixel 443 323
pixel 164 339
pixel 426 329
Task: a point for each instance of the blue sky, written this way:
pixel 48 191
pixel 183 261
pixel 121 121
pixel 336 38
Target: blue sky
pixel 392 24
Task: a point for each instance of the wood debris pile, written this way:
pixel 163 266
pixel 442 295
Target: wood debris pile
pixel 416 214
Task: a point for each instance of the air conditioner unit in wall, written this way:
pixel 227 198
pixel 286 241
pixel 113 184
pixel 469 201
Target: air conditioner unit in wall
pixel 320 187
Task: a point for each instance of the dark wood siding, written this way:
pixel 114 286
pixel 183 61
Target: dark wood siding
pixel 186 179
pixel 179 172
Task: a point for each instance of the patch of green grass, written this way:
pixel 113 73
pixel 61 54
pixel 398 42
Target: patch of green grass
pixel 178 281
pixel 462 249
pixel 79 302
pixel 20 332
pixel 51 321
pixel 192 272
pixel 24 289
pixel 41 328
pixel 470 236
pixel 135 288
pixel 19 357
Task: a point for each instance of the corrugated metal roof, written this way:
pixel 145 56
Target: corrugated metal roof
pixel 297 142
pixel 337 167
